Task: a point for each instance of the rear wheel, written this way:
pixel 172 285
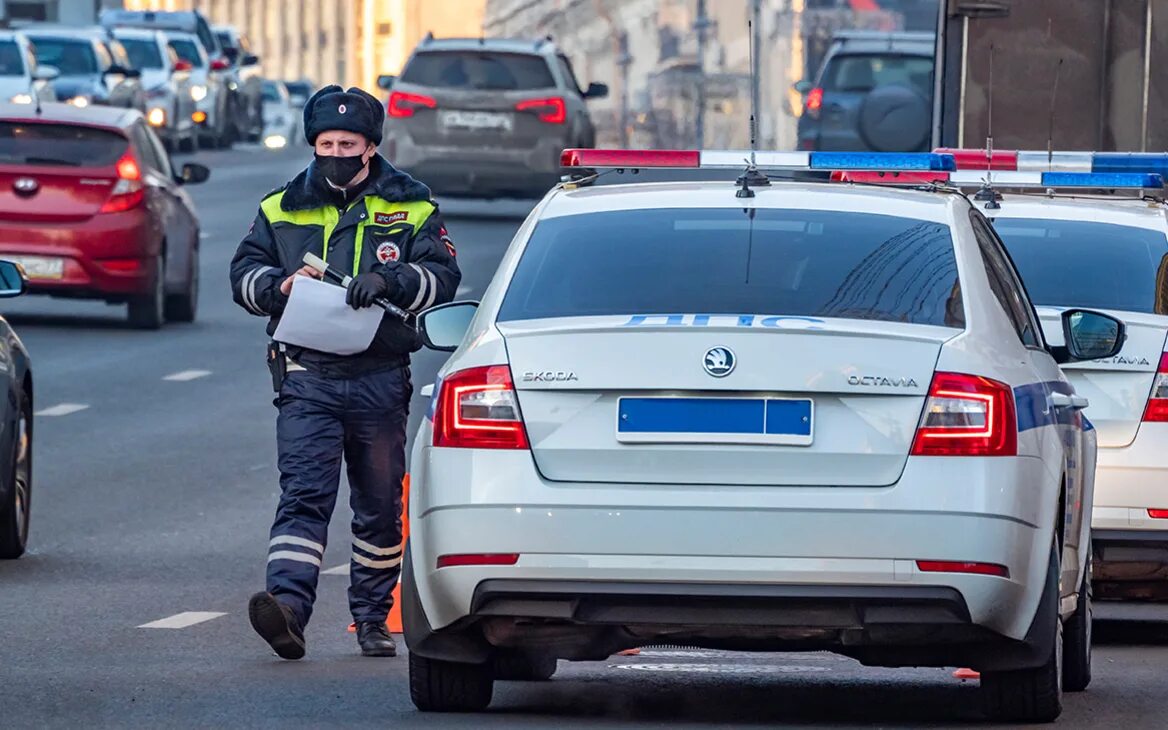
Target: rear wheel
pixel 524 666
pixel 183 307
pixel 1077 638
pixel 438 686
pixel 14 514
pixel 148 311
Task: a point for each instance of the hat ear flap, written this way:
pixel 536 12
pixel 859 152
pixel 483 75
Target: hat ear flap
pixel 309 108
pixel 375 108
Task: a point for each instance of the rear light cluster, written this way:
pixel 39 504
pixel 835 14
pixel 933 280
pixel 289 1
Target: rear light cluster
pixel 552 110
pixel 452 561
pixel 1158 514
pixel 129 192
pixel 478 409
pixel 402 105
pixel 1157 410
pixel 814 103
pixel 952 566
pixel 967 415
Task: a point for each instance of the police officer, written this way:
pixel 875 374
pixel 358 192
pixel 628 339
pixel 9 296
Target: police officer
pixel 370 220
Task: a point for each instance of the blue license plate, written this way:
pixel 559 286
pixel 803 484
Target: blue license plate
pixel 716 420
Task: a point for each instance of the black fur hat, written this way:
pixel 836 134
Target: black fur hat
pixel 354 110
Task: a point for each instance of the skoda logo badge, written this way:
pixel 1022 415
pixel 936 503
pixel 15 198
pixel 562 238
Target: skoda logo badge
pixel 719 361
pixel 25 185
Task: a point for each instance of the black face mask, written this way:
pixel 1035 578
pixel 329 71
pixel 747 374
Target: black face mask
pixel 340 171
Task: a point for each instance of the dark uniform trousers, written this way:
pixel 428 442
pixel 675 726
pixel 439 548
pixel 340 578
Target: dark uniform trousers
pixel 321 418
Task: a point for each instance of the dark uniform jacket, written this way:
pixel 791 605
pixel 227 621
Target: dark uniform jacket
pixel 392 228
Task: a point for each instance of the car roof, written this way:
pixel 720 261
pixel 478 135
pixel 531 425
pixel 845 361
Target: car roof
pixel 1120 211
pixel 107 117
pixel 504 45
pixel 184 19
pixel 122 32
pixel 921 205
pixel 59 31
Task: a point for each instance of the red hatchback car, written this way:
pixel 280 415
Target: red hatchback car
pixel 91 208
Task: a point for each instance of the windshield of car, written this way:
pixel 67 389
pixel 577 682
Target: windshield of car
pixel 143 53
pixel 299 88
pixel 70 57
pixel 10 60
pixel 479 70
pixel 59 144
pixel 722 261
pixel 187 50
pixel 860 73
pixel 1089 264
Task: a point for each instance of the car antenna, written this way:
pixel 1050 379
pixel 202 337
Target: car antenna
pixel 1050 128
pixel 752 176
pixel 986 193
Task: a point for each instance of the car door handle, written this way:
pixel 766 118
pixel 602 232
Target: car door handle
pixel 1067 400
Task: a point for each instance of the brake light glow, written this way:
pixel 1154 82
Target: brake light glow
pixel 1158 514
pixel 478 409
pixel 129 192
pixel 451 561
pixel 552 110
pixel 951 566
pixel 402 105
pixel 1157 408
pixel 967 415
pixel 220 64
pixel 814 103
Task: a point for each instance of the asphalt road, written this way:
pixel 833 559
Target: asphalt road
pixel 153 498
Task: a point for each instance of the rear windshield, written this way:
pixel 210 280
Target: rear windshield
pixel 70 57
pixel 143 53
pixel 299 88
pixel 479 70
pixel 860 73
pixel 10 61
pixel 59 144
pixel 188 51
pixel 1086 264
pixel 720 261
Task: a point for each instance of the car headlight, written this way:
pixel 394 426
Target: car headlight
pixel 198 92
pixel 275 142
pixel 21 99
pixel 156 117
pixel 79 101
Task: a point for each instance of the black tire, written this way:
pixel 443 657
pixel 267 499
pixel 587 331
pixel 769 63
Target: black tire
pixel 148 311
pixel 438 686
pixel 1077 637
pixel 14 514
pixel 524 666
pixel 1030 695
pixel 184 307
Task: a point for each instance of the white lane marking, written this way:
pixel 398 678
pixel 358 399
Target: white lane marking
pixel 183 620
pixel 185 375
pixel 339 570
pixel 62 409
pixel 462 290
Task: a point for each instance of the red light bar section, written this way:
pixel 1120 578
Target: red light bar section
pixel 630 158
pixel 948 566
pixel 452 561
pixel 977 160
pixel 890 177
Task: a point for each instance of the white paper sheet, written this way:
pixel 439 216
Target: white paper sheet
pixel 318 318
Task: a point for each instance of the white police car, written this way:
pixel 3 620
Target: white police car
pixel 1111 255
pixel 814 418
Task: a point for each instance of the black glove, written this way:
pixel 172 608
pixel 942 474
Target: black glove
pixel 365 288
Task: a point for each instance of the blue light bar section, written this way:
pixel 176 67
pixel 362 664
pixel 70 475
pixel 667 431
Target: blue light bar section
pixel 1129 162
pixel 1102 180
pixel 922 161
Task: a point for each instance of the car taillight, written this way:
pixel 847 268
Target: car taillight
pixel 953 566
pixel 478 409
pixel 452 561
pixel 1157 410
pixel 402 104
pixel 552 110
pixel 220 64
pixel 967 415
pixel 1158 514
pixel 129 192
pixel 813 103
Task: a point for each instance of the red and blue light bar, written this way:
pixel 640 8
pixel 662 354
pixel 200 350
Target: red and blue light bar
pixel 1009 179
pixel 1043 161
pixel 768 160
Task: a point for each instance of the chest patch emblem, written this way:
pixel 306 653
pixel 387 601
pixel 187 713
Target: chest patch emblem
pixel 384 219
pixel 387 252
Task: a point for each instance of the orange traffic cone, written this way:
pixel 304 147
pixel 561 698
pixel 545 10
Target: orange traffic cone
pixel 394 621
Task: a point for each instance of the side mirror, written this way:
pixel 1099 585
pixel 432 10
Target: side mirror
pixel 250 60
pixel 13 282
pixel 444 326
pixel 803 87
pixel 46 73
pixel 193 173
pixel 596 91
pixel 1092 335
pixel 385 82
pixel 181 65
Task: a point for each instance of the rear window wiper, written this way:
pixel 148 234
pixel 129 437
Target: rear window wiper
pixel 50 161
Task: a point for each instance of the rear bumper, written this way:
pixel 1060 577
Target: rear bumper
pixel 87 247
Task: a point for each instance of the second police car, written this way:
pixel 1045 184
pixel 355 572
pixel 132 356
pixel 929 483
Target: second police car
pixel 789 416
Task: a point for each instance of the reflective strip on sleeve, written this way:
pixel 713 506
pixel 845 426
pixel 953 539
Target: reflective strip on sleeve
pixel 433 281
pixel 423 284
pixel 376 564
pixel 248 285
pixel 298 557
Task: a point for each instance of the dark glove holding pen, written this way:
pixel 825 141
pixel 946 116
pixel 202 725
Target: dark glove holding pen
pixel 365 289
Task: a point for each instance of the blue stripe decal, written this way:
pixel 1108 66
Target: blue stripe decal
pixel 1032 402
pixel 715 416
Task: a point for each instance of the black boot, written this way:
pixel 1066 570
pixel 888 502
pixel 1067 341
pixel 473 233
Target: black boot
pixel 278 626
pixel 375 640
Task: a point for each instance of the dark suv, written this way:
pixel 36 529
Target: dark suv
pixel 487 117
pixel 874 92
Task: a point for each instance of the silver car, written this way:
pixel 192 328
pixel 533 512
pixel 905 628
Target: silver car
pixel 166 78
pixel 212 116
pixel 22 79
pixel 487 117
